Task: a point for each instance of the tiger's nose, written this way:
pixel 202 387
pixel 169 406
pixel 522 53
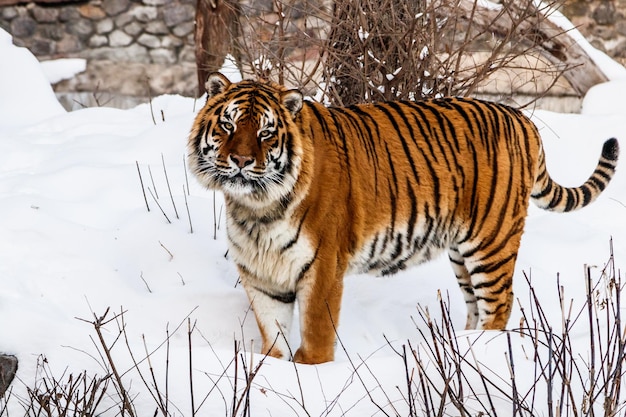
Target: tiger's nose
pixel 241 161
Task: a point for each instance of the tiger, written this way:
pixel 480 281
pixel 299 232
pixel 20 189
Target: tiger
pixel 313 193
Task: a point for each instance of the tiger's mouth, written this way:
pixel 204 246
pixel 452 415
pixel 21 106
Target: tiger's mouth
pixel 241 182
pixel 264 182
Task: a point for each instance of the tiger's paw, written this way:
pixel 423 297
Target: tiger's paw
pixel 275 353
pixel 313 357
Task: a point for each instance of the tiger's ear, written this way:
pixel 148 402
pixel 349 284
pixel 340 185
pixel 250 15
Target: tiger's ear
pixel 215 84
pixel 292 100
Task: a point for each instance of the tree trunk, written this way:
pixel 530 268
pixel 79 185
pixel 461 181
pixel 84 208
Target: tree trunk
pixel 217 26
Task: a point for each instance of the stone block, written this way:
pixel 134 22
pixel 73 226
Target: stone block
pixel 620 27
pixel 183 29
pixel 133 28
pixel 23 27
pixel 123 19
pixel 98 41
pixel 68 14
pixel 144 13
pixel 619 51
pixel 163 56
pixel 115 7
pixel 82 28
pixel 149 41
pixel 605 13
pixel 91 11
pixel 171 42
pixel 8 13
pixel 155 2
pixel 118 38
pixel 43 47
pixel 131 53
pixel 69 44
pixel 187 54
pixel 45 14
pixel 104 26
pixel 157 27
pixel 51 31
pixel 176 14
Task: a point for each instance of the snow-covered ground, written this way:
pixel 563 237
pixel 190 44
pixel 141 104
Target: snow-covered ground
pixel 76 238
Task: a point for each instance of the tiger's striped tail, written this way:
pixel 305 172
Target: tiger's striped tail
pixel 549 195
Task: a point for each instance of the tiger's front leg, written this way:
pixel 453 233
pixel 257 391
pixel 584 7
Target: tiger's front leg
pixel 274 314
pixel 319 301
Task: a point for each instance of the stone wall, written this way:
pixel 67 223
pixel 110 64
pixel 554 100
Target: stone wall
pixel 136 49
pixel 603 22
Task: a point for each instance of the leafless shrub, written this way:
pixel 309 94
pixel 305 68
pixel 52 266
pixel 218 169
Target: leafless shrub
pixel 443 373
pixel 546 369
pixel 347 51
pixel 67 395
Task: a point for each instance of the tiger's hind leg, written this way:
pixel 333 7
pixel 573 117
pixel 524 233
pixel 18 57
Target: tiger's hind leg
pixel 465 283
pixel 489 266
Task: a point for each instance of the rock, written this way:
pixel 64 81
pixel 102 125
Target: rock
pixel 68 14
pixel 68 44
pixel 605 13
pixel 43 47
pixel 620 27
pixel 104 26
pixel 23 27
pixel 176 14
pixel 91 11
pixel 149 41
pixel 170 42
pixel 45 14
pixel 576 8
pixel 183 29
pixel 123 19
pixel 8 13
pixel 51 32
pixel 162 56
pixel 8 368
pixel 188 54
pixel 115 7
pixel 131 53
pixel 157 27
pixel 81 28
pixel 118 38
pixel 155 2
pixel 98 41
pixel 133 28
pixel 145 13
pixel 619 51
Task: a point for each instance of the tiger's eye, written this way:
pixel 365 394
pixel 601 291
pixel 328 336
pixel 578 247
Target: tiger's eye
pixel 227 126
pixel 265 134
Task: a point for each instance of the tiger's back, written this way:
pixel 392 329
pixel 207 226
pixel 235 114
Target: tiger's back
pixel 314 193
pixel 415 180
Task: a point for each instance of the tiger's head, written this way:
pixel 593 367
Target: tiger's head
pixel 244 141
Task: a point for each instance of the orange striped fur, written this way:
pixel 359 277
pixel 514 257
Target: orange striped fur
pixel 314 193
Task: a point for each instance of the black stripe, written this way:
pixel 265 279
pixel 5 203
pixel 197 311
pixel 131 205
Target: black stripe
pixel 295 238
pixel 284 297
pixel 307 265
pixel 486 268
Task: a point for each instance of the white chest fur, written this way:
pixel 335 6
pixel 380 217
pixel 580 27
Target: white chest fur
pixel 275 254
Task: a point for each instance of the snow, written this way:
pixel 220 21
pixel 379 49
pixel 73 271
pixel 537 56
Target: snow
pixel 16 106
pixel 76 238
pixel 57 70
